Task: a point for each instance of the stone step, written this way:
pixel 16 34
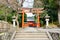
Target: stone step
pixel 30 33
pixel 31 39
pixel 31 36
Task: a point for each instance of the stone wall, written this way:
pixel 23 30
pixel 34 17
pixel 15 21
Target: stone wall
pixel 4 26
pixel 55 36
pixel 7 30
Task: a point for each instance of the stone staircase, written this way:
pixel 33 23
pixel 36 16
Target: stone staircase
pixel 31 36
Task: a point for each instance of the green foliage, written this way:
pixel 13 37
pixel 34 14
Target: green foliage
pixel 50 4
pixel 9 18
pixel 38 4
pixel 53 14
pixel 6 13
pixel 41 22
pixel 10 15
pixel 52 9
pixel 25 20
pixel 42 15
pixel 2 17
pixel 20 18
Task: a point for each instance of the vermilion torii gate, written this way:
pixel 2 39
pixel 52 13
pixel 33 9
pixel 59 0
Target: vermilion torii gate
pixel 32 10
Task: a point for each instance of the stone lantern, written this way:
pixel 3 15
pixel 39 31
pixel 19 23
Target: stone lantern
pixel 47 20
pixel 14 20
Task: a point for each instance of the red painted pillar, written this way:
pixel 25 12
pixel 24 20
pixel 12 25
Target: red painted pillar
pixel 38 20
pixel 22 18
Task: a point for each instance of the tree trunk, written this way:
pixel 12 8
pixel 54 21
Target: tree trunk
pixel 58 2
pixel 59 16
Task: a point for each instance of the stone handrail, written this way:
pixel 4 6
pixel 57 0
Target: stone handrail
pixel 51 32
pixel 50 37
pixel 13 35
pixel 57 30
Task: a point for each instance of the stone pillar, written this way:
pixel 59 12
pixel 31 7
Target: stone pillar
pixel 14 21
pixel 38 21
pixel 47 20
